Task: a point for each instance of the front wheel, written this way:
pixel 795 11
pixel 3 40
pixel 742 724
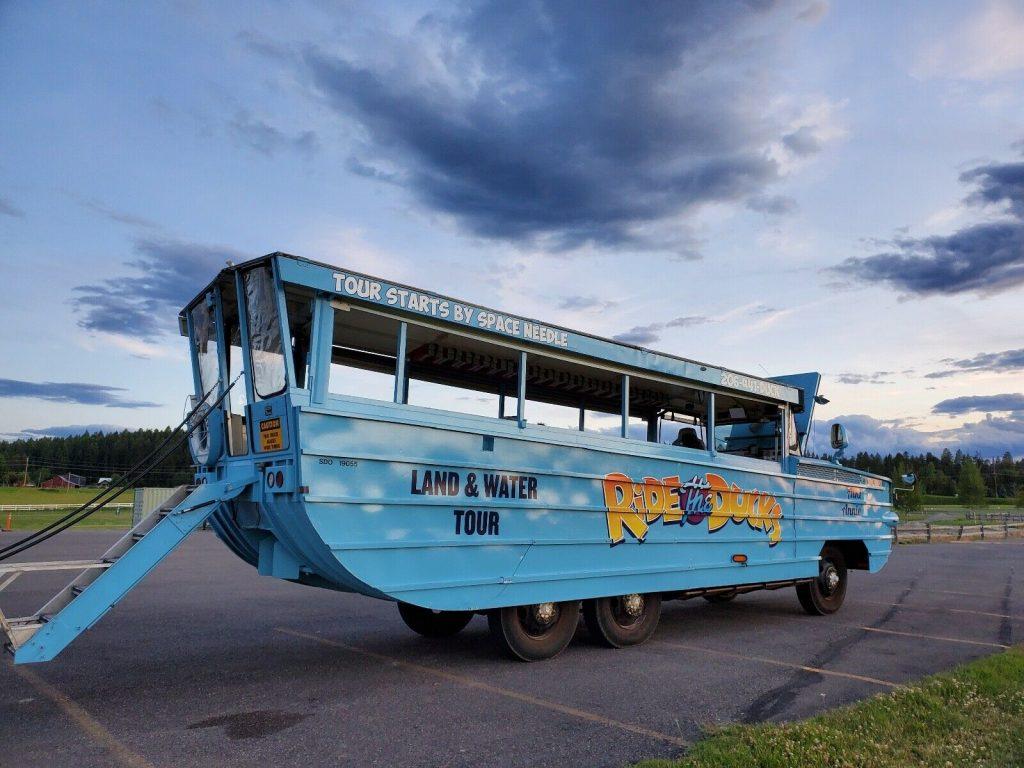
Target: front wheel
pixel 825 594
pixel 534 632
pixel 429 623
pixel 624 620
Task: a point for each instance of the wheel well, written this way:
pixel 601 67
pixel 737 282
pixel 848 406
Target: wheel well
pixel 854 552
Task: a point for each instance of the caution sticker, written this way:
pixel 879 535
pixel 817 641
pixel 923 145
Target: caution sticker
pixel 270 435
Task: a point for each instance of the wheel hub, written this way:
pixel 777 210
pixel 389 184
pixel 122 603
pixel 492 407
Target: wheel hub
pixel 544 613
pixel 633 605
pixel 830 578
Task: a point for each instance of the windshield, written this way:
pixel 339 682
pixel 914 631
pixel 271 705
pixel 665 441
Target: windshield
pixel 204 334
pixel 268 371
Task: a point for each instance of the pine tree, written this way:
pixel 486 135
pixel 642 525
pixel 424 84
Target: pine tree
pixel 971 485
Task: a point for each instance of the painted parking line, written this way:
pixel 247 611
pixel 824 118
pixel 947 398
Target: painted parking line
pixel 778 663
pixel 940 638
pixel 469 682
pixel 80 717
pixel 937 609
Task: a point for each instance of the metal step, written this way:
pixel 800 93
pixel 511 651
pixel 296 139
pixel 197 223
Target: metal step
pixel 103 582
pixel 19 631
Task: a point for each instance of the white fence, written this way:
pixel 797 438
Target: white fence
pixel 937 532
pixel 45 507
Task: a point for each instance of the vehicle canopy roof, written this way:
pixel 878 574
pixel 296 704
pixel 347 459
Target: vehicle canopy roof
pixel 413 303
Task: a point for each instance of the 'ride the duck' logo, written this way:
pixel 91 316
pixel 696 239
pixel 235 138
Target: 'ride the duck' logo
pixel 633 507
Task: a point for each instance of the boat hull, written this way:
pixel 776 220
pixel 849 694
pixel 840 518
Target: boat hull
pixel 458 512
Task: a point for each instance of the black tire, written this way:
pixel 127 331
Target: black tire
pixel 534 632
pixel 622 621
pixel 720 597
pixel 826 593
pixel 429 623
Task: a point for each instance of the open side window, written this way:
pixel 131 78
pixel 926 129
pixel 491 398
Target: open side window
pixel 748 428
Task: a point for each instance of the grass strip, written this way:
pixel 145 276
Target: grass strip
pixel 971 715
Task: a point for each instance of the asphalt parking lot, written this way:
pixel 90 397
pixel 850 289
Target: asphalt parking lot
pixel 207 663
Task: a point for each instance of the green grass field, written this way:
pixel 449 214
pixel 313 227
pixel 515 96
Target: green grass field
pixel 970 715
pixel 31 521
pixel 54 496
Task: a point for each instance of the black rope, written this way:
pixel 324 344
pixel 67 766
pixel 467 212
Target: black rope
pixel 128 481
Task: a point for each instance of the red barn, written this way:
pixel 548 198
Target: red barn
pixel 68 480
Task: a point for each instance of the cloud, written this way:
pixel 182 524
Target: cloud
pixel 648 334
pixel 982 258
pixel 573 124
pixel 367 171
pixel 266 139
pixel 584 303
pixel 7 208
pixel 802 141
pixel 814 12
pixel 145 306
pixel 773 205
pixel 980 403
pixel 985 47
pixel 991 436
pixel 998 183
pixel 121 217
pixel 1007 361
pixel 68 430
pixel 71 392
pixel 878 377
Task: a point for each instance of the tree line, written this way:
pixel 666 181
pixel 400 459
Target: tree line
pixel 92 455
pixel 971 480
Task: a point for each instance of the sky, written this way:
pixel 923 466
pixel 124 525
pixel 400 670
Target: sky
pixel 774 187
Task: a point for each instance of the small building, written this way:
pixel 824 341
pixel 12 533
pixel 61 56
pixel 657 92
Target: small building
pixel 67 480
pixel 105 481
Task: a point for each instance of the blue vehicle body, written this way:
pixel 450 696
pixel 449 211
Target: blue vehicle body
pixel 460 511
pixel 323 460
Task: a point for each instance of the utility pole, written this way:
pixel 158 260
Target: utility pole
pixel 24 482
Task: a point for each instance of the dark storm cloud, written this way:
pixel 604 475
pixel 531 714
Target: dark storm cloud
pixel 982 258
pixel 1009 360
pixel 145 305
pixel 7 208
pixel 648 334
pixel 980 403
pixel 71 392
pixel 579 123
pixel 266 139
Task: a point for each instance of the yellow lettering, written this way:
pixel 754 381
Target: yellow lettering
pixel 622 511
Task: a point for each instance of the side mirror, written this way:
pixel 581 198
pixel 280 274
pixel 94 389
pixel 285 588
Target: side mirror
pixel 839 440
pixel 909 478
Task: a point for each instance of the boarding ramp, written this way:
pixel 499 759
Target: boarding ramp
pixel 101 583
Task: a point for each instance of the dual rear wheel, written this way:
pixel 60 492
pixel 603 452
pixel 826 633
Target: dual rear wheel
pixel 543 630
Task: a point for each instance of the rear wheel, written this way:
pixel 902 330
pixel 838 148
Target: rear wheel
pixel 624 620
pixel 430 623
pixel 534 632
pixel 720 597
pixel 825 594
